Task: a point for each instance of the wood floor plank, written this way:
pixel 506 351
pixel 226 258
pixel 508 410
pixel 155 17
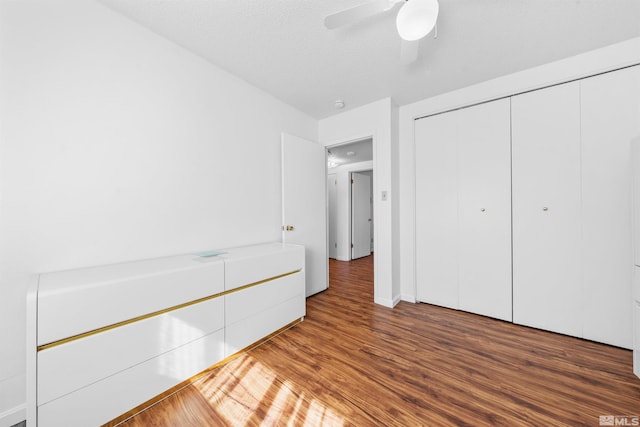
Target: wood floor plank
pixel 354 363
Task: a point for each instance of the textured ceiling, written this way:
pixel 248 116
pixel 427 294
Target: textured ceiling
pixel 282 47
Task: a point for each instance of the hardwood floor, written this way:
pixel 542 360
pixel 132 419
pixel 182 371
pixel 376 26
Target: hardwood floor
pixel 352 362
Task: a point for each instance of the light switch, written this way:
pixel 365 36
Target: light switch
pixel 384 196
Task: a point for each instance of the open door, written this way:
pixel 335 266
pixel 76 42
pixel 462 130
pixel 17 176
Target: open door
pixel 332 202
pixel 360 215
pixel 304 206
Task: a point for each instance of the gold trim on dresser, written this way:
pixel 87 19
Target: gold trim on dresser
pixel 158 313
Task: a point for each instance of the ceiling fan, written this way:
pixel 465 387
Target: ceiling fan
pixel 415 19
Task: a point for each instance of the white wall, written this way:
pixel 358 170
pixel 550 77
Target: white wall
pixel 598 61
pixel 116 144
pixel 373 120
pixel 342 176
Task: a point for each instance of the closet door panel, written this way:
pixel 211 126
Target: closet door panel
pixel 484 184
pixel 610 109
pixel 436 210
pixel 547 291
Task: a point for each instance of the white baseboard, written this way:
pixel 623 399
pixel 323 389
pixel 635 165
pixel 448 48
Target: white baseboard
pixel 396 300
pixel 388 302
pixel 384 302
pixel 13 416
pixel 13 406
pixel 408 298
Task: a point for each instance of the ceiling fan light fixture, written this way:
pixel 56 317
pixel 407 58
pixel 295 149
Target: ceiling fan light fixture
pixel 417 18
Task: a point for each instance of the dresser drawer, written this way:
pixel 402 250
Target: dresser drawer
pixel 67 367
pixel 104 400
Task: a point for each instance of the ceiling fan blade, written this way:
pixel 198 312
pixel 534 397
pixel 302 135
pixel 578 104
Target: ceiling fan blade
pixel 409 51
pixel 357 13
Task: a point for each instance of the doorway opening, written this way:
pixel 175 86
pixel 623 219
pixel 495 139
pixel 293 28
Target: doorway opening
pixel 350 183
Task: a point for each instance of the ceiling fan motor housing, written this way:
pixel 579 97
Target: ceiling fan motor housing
pixel 417 18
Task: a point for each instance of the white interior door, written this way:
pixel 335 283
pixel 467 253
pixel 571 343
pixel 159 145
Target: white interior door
pixel 304 206
pixel 360 215
pixel 332 194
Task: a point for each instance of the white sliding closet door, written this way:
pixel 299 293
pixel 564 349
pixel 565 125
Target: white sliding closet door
pixel 610 120
pixel 436 210
pixel 547 267
pixel 484 197
pixel 463 209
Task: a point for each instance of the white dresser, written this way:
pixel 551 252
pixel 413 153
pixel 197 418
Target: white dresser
pixel 104 340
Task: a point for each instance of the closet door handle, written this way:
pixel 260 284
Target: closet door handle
pixel 545 208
